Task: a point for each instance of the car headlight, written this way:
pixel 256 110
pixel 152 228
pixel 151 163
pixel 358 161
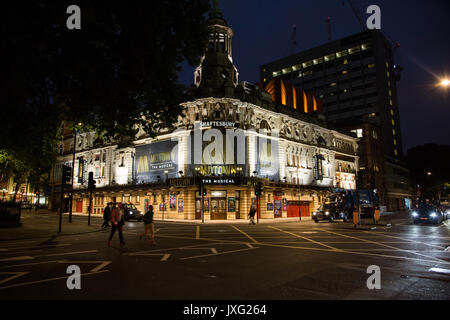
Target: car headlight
pixel 433 215
pixel 327 213
pixel 315 213
pixel 415 214
pixel 131 212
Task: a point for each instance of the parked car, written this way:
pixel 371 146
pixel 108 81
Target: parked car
pixel 330 211
pixel 131 212
pixel 428 213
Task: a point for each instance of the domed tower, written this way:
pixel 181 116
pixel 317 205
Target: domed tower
pixel 217 76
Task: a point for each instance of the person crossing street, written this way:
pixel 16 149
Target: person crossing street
pixel 148 224
pixel 118 221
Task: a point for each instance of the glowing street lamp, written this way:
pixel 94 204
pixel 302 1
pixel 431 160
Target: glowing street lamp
pixel 445 83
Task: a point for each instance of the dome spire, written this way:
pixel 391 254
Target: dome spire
pixel 215 12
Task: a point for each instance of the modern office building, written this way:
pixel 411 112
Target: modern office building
pixel 355 77
pixel 230 138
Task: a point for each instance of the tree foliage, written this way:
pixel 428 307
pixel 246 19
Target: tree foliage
pixel 429 164
pixel 119 71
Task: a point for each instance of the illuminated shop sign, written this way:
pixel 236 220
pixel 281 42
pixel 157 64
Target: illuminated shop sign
pixel 156 161
pixel 318 167
pixel 218 124
pixel 218 170
pixel 267 160
pixel 219 181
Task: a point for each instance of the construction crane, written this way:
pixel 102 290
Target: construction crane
pixel 358 12
pixel 328 21
pixel 293 35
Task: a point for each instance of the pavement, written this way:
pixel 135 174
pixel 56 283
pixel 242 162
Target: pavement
pixel 276 260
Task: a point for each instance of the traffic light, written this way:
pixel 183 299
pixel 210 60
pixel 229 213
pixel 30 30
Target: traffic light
pixel 66 175
pixel 91 181
pixel 258 190
pixel 204 191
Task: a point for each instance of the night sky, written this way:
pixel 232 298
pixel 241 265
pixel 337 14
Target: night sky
pixel 263 31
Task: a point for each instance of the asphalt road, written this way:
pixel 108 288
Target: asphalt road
pixel 280 261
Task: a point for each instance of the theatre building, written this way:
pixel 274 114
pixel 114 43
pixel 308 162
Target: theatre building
pixel 230 138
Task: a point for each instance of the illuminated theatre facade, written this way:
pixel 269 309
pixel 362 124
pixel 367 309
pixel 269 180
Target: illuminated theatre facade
pixel 230 138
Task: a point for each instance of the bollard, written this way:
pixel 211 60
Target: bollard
pixel 355 218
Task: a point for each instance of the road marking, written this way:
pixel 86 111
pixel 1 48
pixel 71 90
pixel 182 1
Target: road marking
pixel 197 234
pixel 360 239
pixel 410 240
pixel 46 255
pixel 164 257
pixel 101 265
pixel 439 270
pixel 17 258
pixel 41 246
pixel 387 246
pixel 213 250
pixel 216 254
pixel 15 276
pixel 28 264
pixel 245 234
pixel 317 249
pixel 313 241
pixel 52 279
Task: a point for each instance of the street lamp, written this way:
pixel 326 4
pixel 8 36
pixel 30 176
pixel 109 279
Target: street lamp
pixel 445 82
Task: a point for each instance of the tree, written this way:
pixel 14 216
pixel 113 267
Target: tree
pixel 119 71
pixel 429 164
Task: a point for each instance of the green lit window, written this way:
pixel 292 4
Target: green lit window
pixel 330 57
pixel 317 61
pixel 341 53
pixel 333 84
pixel 276 73
pixel 365 46
pixel 393 132
pixel 388 74
pixel 287 70
pixel 395 142
pixel 392 112
pixel 307 64
pixel 390 101
pixel 354 50
pixel 297 67
pixel 396 152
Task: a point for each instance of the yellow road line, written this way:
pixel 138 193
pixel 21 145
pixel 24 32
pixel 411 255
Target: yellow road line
pixel 405 239
pixel 245 234
pixel 305 238
pixel 52 279
pixel 385 245
pixel 217 253
pixel 318 249
pixel 360 239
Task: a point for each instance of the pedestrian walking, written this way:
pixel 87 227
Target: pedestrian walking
pixel 148 224
pixel 251 214
pixel 117 222
pixel 106 215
